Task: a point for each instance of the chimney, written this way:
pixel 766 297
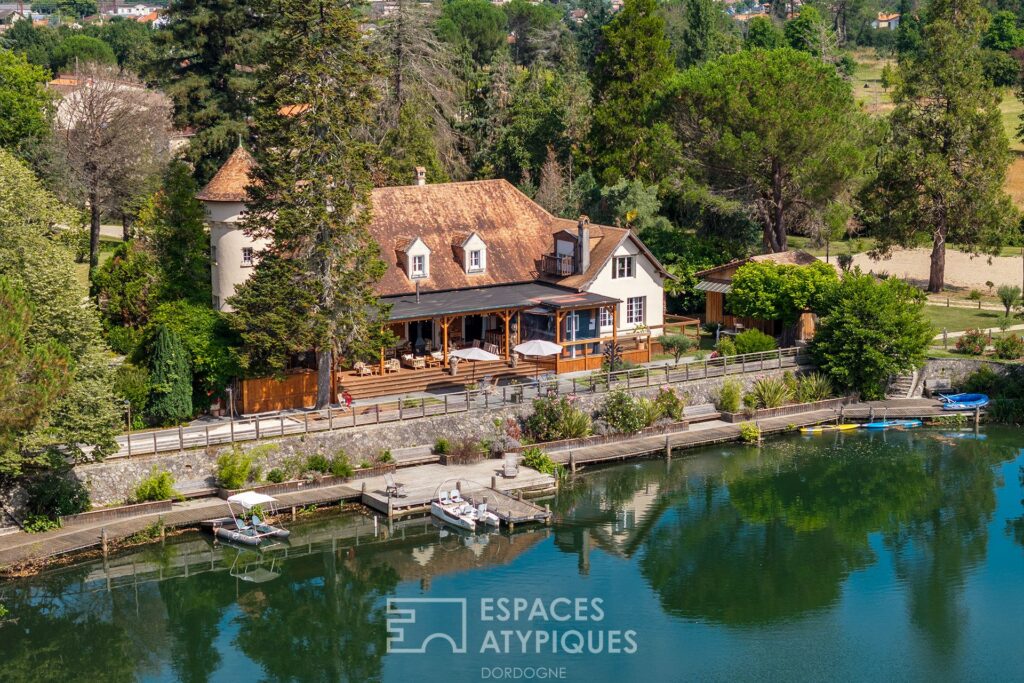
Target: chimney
pixel 582 245
pixel 421 175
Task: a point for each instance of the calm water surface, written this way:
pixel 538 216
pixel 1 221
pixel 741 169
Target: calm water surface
pixel 894 556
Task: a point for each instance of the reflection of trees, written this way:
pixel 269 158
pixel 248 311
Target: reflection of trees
pixel 319 622
pixel 947 534
pixel 1015 526
pixel 195 607
pixel 56 634
pixel 709 563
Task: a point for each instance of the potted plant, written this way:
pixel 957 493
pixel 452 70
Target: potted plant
pixel 641 332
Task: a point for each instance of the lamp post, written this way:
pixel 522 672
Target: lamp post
pixel 231 404
pixel 128 408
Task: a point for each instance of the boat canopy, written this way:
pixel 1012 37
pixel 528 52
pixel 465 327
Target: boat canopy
pixel 250 499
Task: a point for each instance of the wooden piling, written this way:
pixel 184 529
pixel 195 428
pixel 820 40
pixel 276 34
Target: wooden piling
pixel 103 539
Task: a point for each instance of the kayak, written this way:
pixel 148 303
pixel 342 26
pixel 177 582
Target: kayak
pixel 886 424
pixel 820 429
pixel 964 401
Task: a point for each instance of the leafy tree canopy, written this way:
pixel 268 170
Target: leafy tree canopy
pixel 24 101
pixel 477 26
pixel 772 291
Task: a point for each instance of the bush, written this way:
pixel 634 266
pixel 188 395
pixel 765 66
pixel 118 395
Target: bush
pixel 442 446
pixel 276 476
pixel 726 347
pixel 814 386
pixel 984 380
pixel 677 345
pixel 625 413
pixel 55 494
pixel 975 295
pixel 157 486
pixel 670 403
pixel 749 432
pixel 1010 347
pixel 972 342
pixel 537 459
pixel 729 396
pixel 771 392
pixel 753 341
pixel 235 468
pixel 318 462
pixel 37 524
pixel 340 466
pixel 554 419
pixel 123 340
pixel 385 456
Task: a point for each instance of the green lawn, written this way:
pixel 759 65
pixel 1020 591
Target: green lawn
pixel 955 319
pixel 853 245
pixel 107 247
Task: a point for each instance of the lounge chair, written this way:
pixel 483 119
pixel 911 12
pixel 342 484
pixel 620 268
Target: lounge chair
pixel 489 384
pixel 361 369
pixel 457 497
pixel 411 361
pixel 511 466
pixel 392 487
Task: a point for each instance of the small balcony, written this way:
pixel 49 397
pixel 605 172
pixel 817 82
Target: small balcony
pixel 556 264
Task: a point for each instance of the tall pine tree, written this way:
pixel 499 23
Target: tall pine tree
pixel 942 168
pixel 311 190
pixel 632 72
pixel 170 380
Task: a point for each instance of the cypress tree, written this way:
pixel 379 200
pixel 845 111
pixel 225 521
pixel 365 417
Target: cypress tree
pixel 311 191
pixel 171 379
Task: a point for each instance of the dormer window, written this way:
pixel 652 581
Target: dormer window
pixel 472 251
pixel 419 266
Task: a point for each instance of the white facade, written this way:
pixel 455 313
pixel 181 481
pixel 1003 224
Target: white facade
pixel 645 283
pixel 232 253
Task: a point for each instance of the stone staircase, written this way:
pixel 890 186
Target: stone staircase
pixel 905 386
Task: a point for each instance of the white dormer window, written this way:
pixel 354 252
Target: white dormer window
pixel 419 266
pixel 474 253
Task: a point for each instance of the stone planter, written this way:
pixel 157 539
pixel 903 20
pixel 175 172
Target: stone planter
pixel 461 459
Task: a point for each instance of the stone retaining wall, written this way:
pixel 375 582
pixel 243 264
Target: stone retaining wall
pixel 114 481
pixel 957 369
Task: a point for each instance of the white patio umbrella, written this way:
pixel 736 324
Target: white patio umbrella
pixel 538 347
pixel 474 354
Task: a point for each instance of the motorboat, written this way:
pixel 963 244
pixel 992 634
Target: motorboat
pixel 459 515
pixel 487 517
pixel 963 401
pixel 249 525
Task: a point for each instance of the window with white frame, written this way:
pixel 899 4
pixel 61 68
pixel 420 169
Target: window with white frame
pixel 476 261
pixel 246 256
pixel 622 267
pixel 636 310
pixel 419 266
pixel 606 317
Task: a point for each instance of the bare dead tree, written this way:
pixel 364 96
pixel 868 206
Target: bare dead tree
pixel 420 71
pixel 551 192
pixel 112 133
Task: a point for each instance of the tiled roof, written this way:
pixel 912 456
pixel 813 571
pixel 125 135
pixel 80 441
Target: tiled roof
pixel 228 185
pixel 517 232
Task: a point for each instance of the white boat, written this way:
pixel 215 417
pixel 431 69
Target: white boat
pixel 487 517
pixel 457 513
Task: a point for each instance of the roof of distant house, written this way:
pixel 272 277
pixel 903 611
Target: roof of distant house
pixel 794 257
pixel 888 16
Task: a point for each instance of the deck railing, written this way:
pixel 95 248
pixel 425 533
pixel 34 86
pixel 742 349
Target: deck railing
pixel 288 423
pixel 555 264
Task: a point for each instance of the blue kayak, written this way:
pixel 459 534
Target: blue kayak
pixel 887 424
pixel 964 401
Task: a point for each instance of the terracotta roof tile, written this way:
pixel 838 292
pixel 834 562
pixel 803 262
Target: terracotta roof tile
pixel 228 185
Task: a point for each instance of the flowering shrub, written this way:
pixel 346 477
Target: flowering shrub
pixel 1009 348
pixel 554 419
pixel 625 413
pixel 972 342
pixel 670 404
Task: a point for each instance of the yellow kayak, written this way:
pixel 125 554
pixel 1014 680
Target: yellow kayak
pixel 829 428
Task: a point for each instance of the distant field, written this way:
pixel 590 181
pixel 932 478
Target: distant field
pixel 954 319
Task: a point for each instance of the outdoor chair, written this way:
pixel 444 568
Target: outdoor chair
pixel 489 384
pixel 411 361
pixel 491 348
pixel 392 365
pixel 510 467
pixel 476 343
pixel 361 369
pixel 392 487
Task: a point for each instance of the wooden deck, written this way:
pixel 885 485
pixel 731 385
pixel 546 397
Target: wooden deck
pixel 475 482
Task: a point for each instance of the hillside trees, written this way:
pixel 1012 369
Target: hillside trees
pixel 24 102
pixel 778 129
pixel 311 189
pixel 943 162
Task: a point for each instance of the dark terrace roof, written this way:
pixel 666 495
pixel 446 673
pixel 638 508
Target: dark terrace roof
pixel 458 302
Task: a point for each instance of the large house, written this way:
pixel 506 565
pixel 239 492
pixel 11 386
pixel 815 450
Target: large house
pixel 475 263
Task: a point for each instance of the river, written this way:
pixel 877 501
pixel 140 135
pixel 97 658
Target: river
pixel 885 556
